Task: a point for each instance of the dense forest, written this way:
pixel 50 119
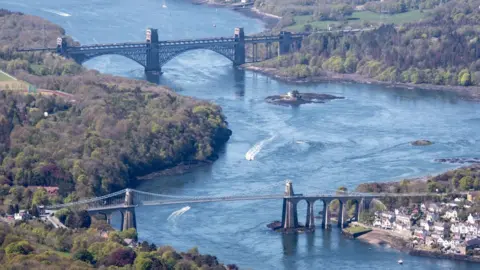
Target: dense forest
pixel 462 179
pixel 36 245
pixel 114 130
pixel 441 49
pixel 310 7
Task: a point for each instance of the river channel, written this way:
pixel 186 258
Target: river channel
pixel 364 137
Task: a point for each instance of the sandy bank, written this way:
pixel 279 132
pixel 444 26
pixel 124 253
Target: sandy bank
pixel 385 238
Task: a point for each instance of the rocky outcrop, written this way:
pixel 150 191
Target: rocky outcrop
pixel 277 226
pixel 421 142
pixel 474 160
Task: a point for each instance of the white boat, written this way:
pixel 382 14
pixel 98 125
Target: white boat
pixel 164 6
pixel 400 262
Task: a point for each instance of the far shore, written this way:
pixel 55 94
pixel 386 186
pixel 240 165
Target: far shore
pixel 468 93
pixel 471 93
pixel 270 20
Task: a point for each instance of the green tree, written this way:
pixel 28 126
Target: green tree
pixel 10 209
pixel 142 262
pixel 40 197
pixel 34 211
pixel 466 183
pixel 464 77
pixel 22 247
pixel 83 255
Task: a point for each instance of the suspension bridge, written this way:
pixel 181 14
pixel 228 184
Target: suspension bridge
pixel 125 201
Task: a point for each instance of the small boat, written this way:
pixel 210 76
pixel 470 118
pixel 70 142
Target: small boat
pixel 214 25
pixel 164 6
pixel 400 262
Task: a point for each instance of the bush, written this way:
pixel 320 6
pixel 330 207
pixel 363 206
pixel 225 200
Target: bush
pixel 83 255
pixel 22 247
pixel 120 257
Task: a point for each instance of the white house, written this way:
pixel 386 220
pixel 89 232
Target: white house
pixel 433 207
pixel 433 216
pixel 454 228
pixel 387 223
pixel 387 220
pixel 438 227
pixel 473 219
pixel 21 215
pixel 451 215
pixel 424 224
pixel 404 219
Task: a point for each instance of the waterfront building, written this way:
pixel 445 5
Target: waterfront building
pixel 451 215
pixel 473 219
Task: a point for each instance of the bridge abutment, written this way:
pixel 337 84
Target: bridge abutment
pixel 239 47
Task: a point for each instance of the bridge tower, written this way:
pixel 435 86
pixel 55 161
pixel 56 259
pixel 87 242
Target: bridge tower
pixel 285 42
pixel 129 220
pixel 62 46
pixel 289 213
pixel 239 49
pixel 152 67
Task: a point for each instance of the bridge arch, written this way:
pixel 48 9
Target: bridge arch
pixel 137 58
pixel 166 55
pixel 352 209
pixel 302 211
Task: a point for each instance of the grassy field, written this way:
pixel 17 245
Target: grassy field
pixel 357 20
pixel 357 229
pixel 5 77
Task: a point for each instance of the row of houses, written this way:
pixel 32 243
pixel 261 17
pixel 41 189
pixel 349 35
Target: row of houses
pixel 434 225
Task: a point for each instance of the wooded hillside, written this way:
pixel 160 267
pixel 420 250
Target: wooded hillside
pixel 115 130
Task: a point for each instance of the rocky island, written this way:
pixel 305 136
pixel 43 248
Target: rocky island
pixel 295 98
pixel 421 143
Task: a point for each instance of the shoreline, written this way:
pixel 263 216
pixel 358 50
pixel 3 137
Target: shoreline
pixel 178 169
pixel 269 20
pixel 471 93
pixel 380 237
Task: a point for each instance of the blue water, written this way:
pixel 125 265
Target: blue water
pixel 362 138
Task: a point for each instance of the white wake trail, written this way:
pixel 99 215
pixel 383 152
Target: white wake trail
pixel 178 213
pixel 63 14
pixel 252 152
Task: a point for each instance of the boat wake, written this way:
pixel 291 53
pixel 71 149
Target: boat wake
pixel 178 213
pixel 63 14
pixel 252 152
